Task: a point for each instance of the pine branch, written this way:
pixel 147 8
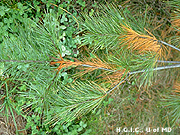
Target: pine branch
pixel 140 71
pixel 109 91
pixel 168 45
pixel 24 61
pixel 84 65
pixel 158 68
pixel 97 65
pixel 163 61
pixel 167 61
pixel 75 100
pixel 135 72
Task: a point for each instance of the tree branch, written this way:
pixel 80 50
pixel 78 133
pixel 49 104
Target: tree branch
pixel 24 61
pixel 140 71
pixel 158 68
pixel 168 61
pixel 168 45
pixel 118 84
pixel 130 73
pixel 84 65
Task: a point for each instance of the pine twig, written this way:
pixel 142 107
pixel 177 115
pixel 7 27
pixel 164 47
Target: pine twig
pixel 158 68
pixel 168 45
pixel 118 84
pixel 162 61
pixel 85 65
pixel 140 71
pixel 130 73
pixel 24 61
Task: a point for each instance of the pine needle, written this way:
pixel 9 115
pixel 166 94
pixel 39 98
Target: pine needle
pixel 114 77
pixel 177 87
pixel 75 100
pixel 65 63
pixel 141 43
pixel 176 24
pixel 86 66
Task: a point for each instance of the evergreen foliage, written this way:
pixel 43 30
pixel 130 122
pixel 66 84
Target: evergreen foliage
pixel 119 48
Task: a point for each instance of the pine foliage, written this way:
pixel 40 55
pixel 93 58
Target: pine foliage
pixel 34 56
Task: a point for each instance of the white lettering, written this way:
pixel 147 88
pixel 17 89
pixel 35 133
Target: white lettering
pixel 131 130
pixel 169 129
pixel 118 129
pixel 148 130
pixel 158 129
pixel 125 129
pixel 136 129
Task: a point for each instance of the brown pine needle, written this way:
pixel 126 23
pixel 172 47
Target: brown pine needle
pixel 66 64
pixel 176 22
pixel 114 77
pixel 141 43
pixel 177 87
pixel 87 66
pixel 96 62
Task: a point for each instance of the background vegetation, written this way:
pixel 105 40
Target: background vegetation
pixel 88 67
